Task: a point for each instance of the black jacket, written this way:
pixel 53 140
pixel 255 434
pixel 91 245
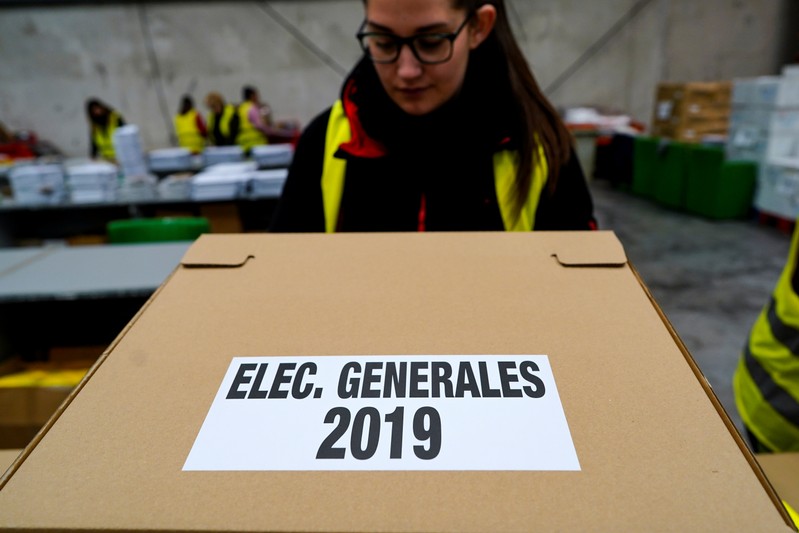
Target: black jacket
pixel 433 172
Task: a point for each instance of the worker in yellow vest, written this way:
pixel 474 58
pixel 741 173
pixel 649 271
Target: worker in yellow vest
pixel 190 127
pixel 103 120
pixel 253 117
pixel 223 120
pixel 766 382
pixel 440 130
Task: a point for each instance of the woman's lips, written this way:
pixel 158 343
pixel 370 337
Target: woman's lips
pixel 411 91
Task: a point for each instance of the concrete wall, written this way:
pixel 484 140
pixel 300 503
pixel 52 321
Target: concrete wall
pixel 141 57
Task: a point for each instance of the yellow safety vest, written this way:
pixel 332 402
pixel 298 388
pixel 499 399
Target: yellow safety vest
pixel 505 165
pixel 189 135
pixel 224 123
pixel 104 137
pixel 248 135
pixel 766 382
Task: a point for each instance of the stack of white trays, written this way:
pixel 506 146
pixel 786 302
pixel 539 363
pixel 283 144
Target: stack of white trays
pixel 170 160
pixel 222 154
pixel 175 187
pixel 92 182
pixel 223 181
pixel 268 183
pixel 129 151
pixel 273 155
pixel 37 183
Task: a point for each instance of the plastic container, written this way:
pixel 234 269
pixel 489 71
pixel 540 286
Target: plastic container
pixel 157 229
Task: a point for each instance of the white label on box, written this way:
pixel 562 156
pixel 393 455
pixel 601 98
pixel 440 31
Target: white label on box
pixel 463 412
pixel 664 109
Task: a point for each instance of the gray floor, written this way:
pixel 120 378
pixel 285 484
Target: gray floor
pixel 711 278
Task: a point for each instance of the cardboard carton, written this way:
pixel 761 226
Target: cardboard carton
pixel 688 111
pixel 782 470
pixel 262 389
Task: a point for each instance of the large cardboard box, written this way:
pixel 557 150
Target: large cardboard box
pixel 406 382
pixel 690 111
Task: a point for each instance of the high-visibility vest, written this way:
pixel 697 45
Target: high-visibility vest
pixel 189 135
pixel 248 135
pixel 505 164
pixel 228 112
pixel 766 382
pixel 104 137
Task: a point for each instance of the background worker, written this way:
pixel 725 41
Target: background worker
pixel 440 126
pixel 223 121
pixel 766 382
pixel 190 127
pixel 103 120
pixel 252 120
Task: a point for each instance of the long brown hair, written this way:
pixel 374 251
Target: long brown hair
pixel 540 124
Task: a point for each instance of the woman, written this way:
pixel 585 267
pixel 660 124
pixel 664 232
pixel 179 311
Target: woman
pixel 440 126
pixel 223 121
pixel 103 120
pixel 189 126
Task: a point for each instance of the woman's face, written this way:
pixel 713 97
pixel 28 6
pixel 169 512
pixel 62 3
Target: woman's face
pixel 415 87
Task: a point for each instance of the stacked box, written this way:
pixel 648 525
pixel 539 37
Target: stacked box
pixel 753 103
pixel 688 112
pixel 92 182
pixel 37 183
pixel 273 155
pixel 778 180
pixel 129 151
pixel 170 160
pixel 213 155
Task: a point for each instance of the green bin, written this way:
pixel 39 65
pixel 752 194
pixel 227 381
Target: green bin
pixel 671 175
pixel 703 177
pixel 157 229
pixel 645 151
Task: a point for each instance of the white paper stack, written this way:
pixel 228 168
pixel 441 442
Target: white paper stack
pixel 138 188
pixel 176 187
pixel 37 183
pixel 222 154
pixel 129 151
pixel 92 182
pixel 273 155
pixel 170 160
pixel 223 181
pixel 268 183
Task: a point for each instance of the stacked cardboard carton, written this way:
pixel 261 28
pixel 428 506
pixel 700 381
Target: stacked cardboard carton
pixel 765 128
pixel 691 111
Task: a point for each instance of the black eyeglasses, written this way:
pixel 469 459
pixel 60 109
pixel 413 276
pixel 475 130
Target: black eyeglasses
pixel 428 48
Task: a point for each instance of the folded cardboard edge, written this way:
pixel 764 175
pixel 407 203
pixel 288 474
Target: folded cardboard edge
pixel 201 255
pixel 11 470
pixel 603 249
pixel 711 394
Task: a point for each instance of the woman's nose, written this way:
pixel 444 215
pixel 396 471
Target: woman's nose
pixel 407 65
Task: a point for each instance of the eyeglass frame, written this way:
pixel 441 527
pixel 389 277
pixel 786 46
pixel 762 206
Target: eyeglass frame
pixel 402 41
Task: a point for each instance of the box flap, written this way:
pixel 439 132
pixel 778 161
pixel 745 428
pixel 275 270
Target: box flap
pixel 207 252
pixel 602 250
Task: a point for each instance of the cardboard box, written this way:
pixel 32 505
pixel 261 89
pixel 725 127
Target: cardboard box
pixel 688 111
pixel 570 403
pixel 782 470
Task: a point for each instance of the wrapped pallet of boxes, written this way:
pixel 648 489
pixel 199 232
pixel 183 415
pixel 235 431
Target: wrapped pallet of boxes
pixel 689 112
pixel 777 191
pixel 394 382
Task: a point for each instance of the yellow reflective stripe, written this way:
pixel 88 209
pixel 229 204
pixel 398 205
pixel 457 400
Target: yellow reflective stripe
pixel 759 415
pixel 188 133
pixel 333 168
pixel 505 165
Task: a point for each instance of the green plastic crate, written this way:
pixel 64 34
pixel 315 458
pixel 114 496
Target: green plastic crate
pixel 157 229
pixel 719 189
pixel 670 175
pixel 645 153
